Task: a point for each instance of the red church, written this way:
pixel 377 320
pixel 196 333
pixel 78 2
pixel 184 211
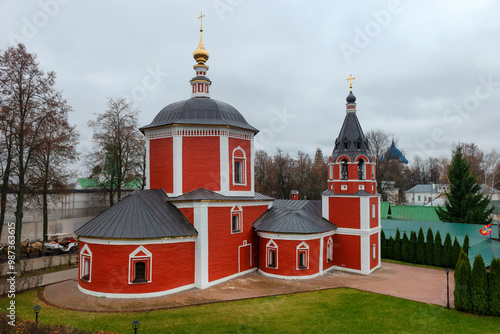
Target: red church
pixel 201 223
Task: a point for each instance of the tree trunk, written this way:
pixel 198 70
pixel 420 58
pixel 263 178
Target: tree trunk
pixel 19 207
pixel 45 212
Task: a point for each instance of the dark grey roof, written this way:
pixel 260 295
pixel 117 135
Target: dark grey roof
pixel 201 77
pixel 208 195
pixel 299 217
pixel 144 214
pixel 200 110
pixel 352 136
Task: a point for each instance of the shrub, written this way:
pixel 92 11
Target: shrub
pixel 405 248
pixel 494 292
pixel 462 283
pixel 447 261
pixel 479 286
pixel 438 250
pixel 397 246
pixel 465 246
pixel 413 247
pixel 383 245
pixel 390 248
pixel 455 252
pixel 421 247
pixel 429 247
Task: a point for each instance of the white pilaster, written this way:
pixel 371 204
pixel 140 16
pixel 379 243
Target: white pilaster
pixel 177 162
pixel 252 166
pixel 324 207
pixel 148 163
pixel 200 218
pixel 224 164
pixel 365 254
pixel 321 251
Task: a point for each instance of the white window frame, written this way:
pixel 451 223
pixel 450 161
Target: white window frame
pixel 271 246
pixel 374 251
pixel 85 256
pixel 243 161
pixel 374 211
pixel 237 212
pixel 302 248
pixel 134 258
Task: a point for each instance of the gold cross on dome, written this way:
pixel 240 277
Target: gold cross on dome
pixel 201 20
pixel 350 79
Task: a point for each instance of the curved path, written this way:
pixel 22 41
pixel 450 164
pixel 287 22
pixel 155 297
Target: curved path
pixel 414 283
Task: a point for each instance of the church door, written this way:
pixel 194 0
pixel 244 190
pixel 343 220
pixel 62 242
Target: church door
pixel 245 252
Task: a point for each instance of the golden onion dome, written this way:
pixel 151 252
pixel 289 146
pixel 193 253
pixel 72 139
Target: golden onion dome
pixel 201 54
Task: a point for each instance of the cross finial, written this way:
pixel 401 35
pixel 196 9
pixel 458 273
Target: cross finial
pixel 350 79
pixel 201 20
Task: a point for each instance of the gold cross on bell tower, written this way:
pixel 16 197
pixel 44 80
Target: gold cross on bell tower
pixel 201 20
pixel 350 79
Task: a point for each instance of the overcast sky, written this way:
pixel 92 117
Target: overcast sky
pixel 427 71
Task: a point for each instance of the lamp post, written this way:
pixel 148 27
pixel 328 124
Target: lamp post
pixel 447 289
pixel 37 309
pixel 135 325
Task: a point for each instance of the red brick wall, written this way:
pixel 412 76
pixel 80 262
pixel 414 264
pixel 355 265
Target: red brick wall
pixel 188 213
pixel 347 251
pixel 173 267
pixel 161 168
pixel 200 163
pixel 223 245
pixel 287 257
pixel 344 211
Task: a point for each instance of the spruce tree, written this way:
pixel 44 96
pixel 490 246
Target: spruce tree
pixel 413 247
pixel 405 248
pixel 479 286
pixel 494 293
pixel 421 247
pixel 447 252
pixel 465 246
pixel 465 201
pixel 462 284
pixel 455 252
pixel 438 250
pixel 390 248
pixel 383 245
pixel 397 246
pixel 429 246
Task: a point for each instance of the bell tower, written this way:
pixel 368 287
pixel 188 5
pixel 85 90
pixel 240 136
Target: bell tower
pixel 351 201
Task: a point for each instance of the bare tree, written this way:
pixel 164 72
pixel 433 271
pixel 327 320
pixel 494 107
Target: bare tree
pixel 475 157
pixel 118 147
pixel 6 157
pixel 491 164
pixel 57 149
pixel 28 96
pixel 378 143
pixel 264 173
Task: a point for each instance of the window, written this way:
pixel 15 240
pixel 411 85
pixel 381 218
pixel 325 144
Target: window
pixel 343 169
pixel 419 198
pixel 329 250
pixel 271 255
pixel 140 266
pixel 200 87
pixel 374 211
pixel 303 256
pixel 239 167
pixel 86 263
pixel 374 252
pixel 361 169
pixel 236 219
pixel 425 198
pixel 373 171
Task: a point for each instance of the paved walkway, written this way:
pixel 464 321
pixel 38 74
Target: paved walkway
pixel 413 283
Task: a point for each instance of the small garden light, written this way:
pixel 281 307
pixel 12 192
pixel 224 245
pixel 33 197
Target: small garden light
pixel 37 309
pixel 135 325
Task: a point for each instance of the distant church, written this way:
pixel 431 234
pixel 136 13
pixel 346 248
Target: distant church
pixel 201 223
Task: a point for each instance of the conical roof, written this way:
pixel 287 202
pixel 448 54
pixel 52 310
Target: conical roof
pixel 144 214
pixel 351 140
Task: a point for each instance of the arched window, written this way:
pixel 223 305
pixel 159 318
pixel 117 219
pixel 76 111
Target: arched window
pixel 303 256
pixel 140 266
pixel 271 255
pixel 86 263
pixel 236 219
pixel 140 272
pixel 329 250
pixel 361 169
pixel 239 167
pixel 344 174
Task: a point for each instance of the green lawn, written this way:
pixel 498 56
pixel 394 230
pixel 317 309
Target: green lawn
pixel 328 311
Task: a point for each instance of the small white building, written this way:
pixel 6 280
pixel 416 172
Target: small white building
pixel 435 194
